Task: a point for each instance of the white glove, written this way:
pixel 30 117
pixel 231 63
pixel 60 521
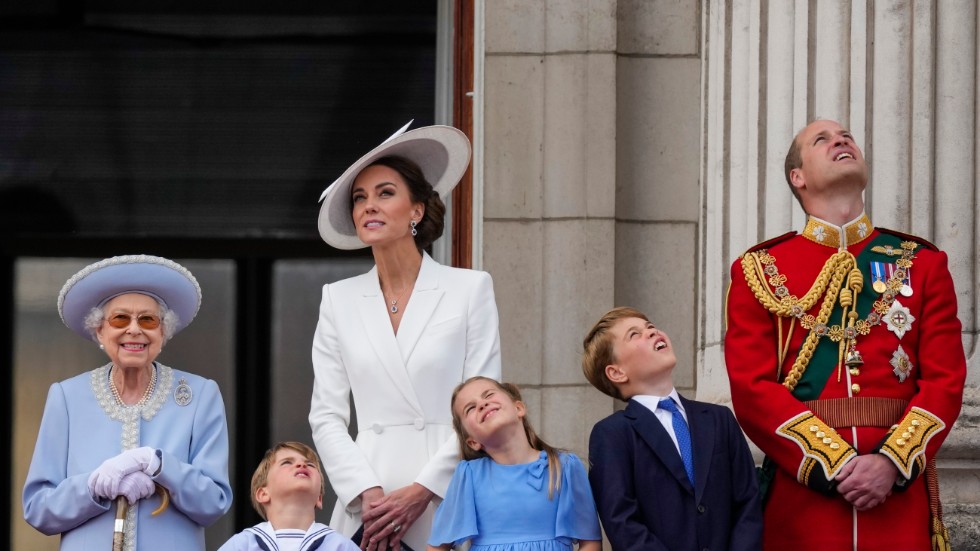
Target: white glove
pixel 135 486
pixel 104 481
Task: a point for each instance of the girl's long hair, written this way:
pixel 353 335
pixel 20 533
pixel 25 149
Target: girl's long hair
pixel 468 453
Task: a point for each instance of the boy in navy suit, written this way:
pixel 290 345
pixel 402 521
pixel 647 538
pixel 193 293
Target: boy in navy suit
pixel 667 473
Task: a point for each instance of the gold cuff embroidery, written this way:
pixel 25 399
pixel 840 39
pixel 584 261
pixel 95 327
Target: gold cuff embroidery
pixel 906 445
pixel 820 444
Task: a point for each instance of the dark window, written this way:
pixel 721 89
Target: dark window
pixel 204 132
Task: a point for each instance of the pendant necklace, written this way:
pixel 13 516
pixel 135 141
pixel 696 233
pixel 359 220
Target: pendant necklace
pixel 394 302
pixel 393 308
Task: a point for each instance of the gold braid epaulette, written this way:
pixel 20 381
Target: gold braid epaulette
pixel 827 284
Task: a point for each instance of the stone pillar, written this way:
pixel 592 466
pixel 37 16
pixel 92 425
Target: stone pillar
pixel 549 198
pixel 592 196
pixel 902 75
pixel 658 74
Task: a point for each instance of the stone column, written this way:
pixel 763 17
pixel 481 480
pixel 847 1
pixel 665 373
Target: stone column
pixel 549 196
pixel 657 181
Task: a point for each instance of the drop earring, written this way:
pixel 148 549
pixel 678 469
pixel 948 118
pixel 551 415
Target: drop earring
pixel 414 231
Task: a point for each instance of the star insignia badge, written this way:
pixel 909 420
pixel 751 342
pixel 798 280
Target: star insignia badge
pixel 898 319
pixel 901 364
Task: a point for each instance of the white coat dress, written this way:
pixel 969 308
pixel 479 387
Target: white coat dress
pixel 401 384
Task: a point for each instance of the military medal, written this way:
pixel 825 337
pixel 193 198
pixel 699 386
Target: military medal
pixel 901 364
pixel 906 289
pixel 878 274
pixel 894 275
pixel 898 319
pixel 183 394
pixel 903 273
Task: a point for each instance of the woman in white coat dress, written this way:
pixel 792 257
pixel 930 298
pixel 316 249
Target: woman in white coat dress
pixel 399 338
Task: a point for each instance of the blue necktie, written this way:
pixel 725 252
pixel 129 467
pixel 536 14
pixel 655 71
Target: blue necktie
pixel 683 435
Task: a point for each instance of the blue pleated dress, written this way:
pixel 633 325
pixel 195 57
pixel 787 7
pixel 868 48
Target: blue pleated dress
pixel 506 507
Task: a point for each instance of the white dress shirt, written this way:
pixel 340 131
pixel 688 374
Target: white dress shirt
pixel 652 403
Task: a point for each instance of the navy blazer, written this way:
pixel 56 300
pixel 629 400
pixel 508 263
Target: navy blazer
pixel 644 497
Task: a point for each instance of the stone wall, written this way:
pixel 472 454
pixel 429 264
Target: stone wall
pixel 550 197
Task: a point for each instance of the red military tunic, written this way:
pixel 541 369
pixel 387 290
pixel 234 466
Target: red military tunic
pixel 901 402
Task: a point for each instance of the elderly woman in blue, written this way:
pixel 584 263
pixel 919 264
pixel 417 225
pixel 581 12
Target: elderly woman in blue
pixel 119 434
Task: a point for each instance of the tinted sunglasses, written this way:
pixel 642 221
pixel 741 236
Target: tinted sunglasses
pixel 146 321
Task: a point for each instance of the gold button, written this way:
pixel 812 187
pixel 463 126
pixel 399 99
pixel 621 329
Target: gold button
pixel 827 440
pixel 855 388
pixel 835 446
pixel 900 442
pixel 855 372
pixel 915 422
pixel 820 434
pixel 906 435
pixel 911 429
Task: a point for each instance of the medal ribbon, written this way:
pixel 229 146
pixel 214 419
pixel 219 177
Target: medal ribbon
pixel 878 271
pixel 890 272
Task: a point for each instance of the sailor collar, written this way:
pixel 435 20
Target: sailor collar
pixel 839 237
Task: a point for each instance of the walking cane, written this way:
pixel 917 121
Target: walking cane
pixel 122 507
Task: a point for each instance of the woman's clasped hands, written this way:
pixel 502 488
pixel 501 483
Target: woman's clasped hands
pixel 127 474
pixel 387 517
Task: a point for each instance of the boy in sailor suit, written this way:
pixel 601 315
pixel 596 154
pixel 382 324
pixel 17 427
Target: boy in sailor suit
pixel 287 489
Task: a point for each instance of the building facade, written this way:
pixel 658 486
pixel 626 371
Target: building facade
pixel 625 153
pixel 632 149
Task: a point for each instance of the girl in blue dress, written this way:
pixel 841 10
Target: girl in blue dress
pixel 512 491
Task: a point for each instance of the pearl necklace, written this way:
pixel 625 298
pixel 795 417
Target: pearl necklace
pixel 146 393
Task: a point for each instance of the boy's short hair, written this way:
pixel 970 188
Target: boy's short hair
pixel 261 476
pixel 598 349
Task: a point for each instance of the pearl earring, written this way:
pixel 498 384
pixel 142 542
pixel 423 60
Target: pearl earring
pixel 101 347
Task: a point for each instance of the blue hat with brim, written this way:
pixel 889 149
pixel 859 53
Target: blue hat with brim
pixel 96 284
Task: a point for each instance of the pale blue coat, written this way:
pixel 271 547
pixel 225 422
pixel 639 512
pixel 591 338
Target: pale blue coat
pixel 83 425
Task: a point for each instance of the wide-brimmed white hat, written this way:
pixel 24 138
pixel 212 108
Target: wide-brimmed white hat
pixel 442 152
pixel 98 283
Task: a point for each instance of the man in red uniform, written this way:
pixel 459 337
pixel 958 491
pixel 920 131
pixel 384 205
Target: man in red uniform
pixel 846 364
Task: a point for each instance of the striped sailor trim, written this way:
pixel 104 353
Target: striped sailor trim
pixel 906 444
pixel 820 445
pixel 858 412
